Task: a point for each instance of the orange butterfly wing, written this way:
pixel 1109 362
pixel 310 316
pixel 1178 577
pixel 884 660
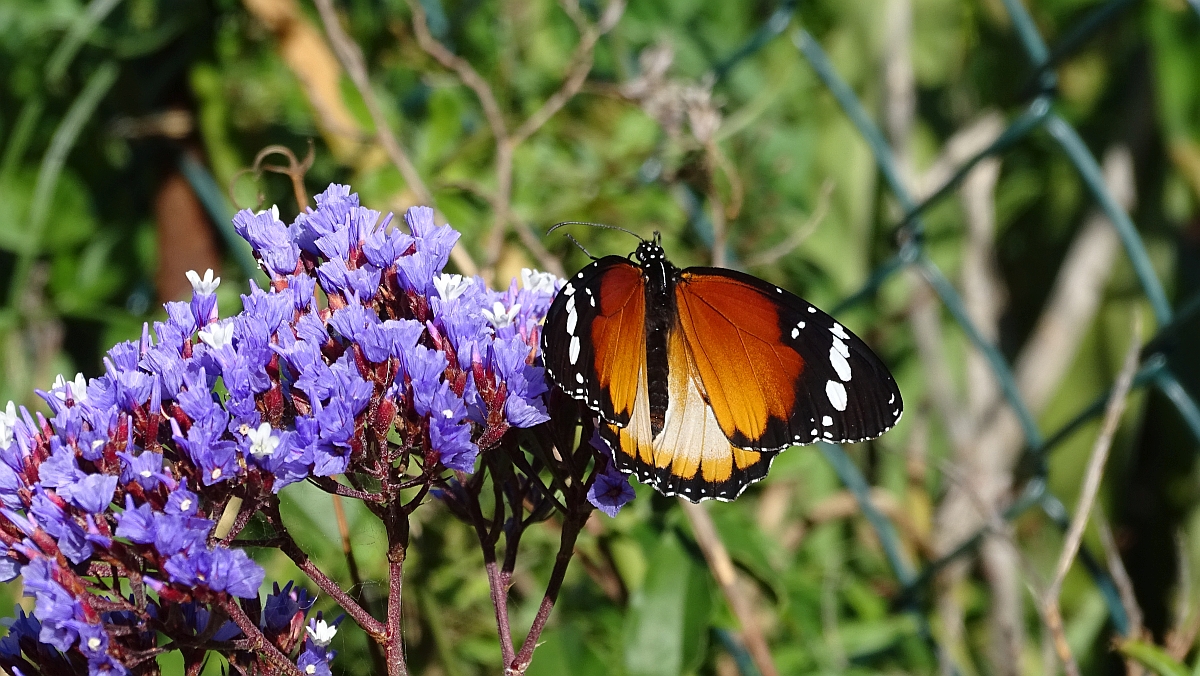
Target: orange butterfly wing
pixel 691 456
pixel 594 338
pixel 751 369
pixel 776 370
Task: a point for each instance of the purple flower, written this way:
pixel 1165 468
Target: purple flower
pixel 60 469
pixel 360 338
pixel 526 384
pixel 136 523
pixel 144 468
pixel 417 271
pixel 434 241
pixel 204 296
pixel 272 308
pixel 352 319
pixel 611 490
pixel 302 289
pixel 382 247
pixel 270 239
pixel 216 458
pixel 92 494
pixel 182 501
pixel 93 640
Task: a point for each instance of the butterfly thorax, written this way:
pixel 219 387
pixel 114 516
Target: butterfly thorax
pixel 660 277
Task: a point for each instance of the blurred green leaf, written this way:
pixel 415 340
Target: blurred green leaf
pixel 70 222
pixel 666 628
pixel 565 650
pixel 1152 657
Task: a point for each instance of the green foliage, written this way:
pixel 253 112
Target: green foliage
pixel 639 598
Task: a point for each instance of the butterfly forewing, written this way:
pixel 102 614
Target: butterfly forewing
pixel 777 371
pixel 594 339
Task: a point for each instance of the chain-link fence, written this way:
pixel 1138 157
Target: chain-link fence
pixel 1039 114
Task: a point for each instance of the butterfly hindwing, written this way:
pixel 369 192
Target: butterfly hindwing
pixel 594 337
pixel 690 456
pixel 776 370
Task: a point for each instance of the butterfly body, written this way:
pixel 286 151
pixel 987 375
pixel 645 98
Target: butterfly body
pixel 701 376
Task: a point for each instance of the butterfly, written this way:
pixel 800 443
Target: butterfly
pixel 701 376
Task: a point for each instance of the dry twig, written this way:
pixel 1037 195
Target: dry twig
pixel 351 57
pixel 1047 355
pixel 506 141
pixel 798 235
pixel 726 576
pixel 1087 497
pixel 1120 576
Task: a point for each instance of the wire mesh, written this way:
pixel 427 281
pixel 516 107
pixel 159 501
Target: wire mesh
pixel 1154 369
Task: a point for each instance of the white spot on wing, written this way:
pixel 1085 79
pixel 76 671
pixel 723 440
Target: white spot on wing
pixel 568 289
pixel 826 421
pixel 812 309
pixel 833 389
pixel 579 378
pixel 838 331
pixel 795 333
pixel 572 318
pixel 841 348
pixel 839 363
pixel 574 354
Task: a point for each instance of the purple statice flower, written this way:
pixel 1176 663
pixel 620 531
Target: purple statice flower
pixel 611 490
pixel 361 350
pixel 270 239
pixel 204 296
pixel 227 570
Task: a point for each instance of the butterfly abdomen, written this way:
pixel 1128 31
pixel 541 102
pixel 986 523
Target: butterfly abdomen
pixel 660 318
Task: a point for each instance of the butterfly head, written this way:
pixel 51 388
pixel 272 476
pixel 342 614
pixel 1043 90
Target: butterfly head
pixel 650 250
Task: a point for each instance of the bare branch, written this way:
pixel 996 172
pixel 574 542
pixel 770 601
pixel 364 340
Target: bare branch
pixel 1120 576
pixel 1091 486
pixel 726 576
pixel 582 62
pixel 461 67
pixel 800 234
pixel 1077 292
pixel 351 58
pixel 1048 353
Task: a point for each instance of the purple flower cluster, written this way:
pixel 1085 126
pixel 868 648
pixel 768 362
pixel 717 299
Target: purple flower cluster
pixel 359 340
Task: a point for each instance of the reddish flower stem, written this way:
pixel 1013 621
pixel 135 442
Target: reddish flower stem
pixel 397 529
pixel 499 581
pixel 259 642
pixel 374 628
pixel 571 527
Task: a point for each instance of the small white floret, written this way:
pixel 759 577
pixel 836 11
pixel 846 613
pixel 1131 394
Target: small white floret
pixel 8 421
pixel 449 287
pixel 217 334
pixel 205 286
pixel 500 317
pixel 321 632
pixel 263 441
pixel 537 281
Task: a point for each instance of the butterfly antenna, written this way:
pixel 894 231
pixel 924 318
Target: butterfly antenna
pixel 576 243
pixel 594 225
